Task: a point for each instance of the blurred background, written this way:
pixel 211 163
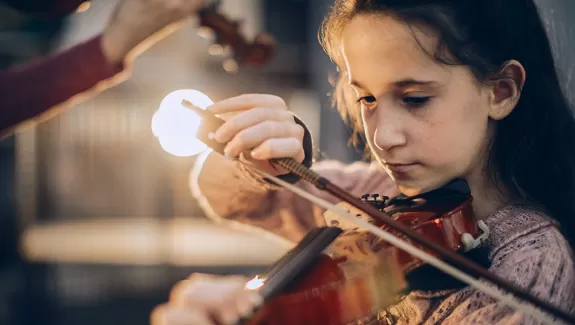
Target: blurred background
pixel 96 217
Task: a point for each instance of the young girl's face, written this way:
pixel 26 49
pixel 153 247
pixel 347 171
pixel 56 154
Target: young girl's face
pixel 427 123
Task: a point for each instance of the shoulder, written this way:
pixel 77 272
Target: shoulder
pixel 524 234
pixel 514 225
pixel 540 262
pixel 528 250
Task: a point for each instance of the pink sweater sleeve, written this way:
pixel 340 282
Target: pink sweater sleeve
pixel 230 194
pixel 43 85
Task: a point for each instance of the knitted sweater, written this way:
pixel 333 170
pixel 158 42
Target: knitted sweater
pixel 524 247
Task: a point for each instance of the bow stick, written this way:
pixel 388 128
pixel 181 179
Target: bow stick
pixel 212 122
pixel 430 259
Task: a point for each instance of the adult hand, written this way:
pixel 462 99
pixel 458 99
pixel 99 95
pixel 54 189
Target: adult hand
pixel 135 25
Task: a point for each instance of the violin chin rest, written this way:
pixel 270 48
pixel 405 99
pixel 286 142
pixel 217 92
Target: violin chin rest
pixel 470 243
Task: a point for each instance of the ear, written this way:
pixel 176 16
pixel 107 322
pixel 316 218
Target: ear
pixel 505 89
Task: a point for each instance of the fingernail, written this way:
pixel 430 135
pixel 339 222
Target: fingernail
pixel 228 151
pixel 218 135
pixel 256 154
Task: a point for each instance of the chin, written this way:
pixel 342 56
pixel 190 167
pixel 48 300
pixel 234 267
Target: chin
pixel 416 189
pixel 409 190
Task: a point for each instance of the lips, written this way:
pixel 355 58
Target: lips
pixel 400 168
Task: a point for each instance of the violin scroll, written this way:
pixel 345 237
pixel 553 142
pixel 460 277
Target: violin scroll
pixel 229 41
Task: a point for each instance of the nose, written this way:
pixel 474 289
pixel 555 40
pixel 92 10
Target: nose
pixel 388 134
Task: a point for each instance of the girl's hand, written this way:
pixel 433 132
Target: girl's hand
pixel 205 299
pixel 260 128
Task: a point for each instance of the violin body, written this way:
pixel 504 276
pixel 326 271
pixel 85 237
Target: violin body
pixel 443 216
pixel 359 275
pixel 336 291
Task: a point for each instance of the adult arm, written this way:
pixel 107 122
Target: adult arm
pixel 46 86
pixel 41 88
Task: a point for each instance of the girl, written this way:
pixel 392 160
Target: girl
pixel 442 90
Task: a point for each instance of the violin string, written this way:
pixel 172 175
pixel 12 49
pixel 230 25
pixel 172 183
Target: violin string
pixel 494 292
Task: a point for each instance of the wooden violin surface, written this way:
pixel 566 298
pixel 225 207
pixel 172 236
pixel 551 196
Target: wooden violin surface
pixel 337 291
pixel 360 275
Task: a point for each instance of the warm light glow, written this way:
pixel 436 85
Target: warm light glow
pixel 254 283
pixel 176 126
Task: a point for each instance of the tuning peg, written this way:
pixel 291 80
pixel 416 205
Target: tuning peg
pixel 375 196
pixel 230 65
pixel 365 197
pixel 216 49
pixel 207 33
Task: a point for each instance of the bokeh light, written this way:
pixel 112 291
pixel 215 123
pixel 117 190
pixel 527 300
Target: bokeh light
pixel 176 126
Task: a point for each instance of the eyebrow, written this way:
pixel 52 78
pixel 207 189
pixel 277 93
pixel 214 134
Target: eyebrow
pixel 401 83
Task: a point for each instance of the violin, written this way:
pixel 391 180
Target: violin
pixel 358 275
pixel 227 36
pixel 444 216
pixel 225 32
pixel 328 282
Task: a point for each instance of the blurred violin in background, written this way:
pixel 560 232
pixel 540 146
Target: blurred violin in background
pixel 228 41
pixel 227 38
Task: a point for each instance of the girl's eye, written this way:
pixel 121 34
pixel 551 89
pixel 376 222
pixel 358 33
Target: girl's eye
pixel 415 101
pixel 367 100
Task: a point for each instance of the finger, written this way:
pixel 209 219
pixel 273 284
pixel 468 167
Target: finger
pixel 205 290
pixel 171 315
pixel 239 306
pixel 250 138
pixel 224 298
pixel 249 118
pixel 279 148
pixel 245 102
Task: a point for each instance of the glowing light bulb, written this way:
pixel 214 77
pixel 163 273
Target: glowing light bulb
pixel 176 126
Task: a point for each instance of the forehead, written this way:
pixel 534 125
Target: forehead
pixel 383 46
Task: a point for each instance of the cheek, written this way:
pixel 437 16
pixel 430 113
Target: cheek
pixel 455 136
pixel 369 125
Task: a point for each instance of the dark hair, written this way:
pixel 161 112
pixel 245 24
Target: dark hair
pixel 532 155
